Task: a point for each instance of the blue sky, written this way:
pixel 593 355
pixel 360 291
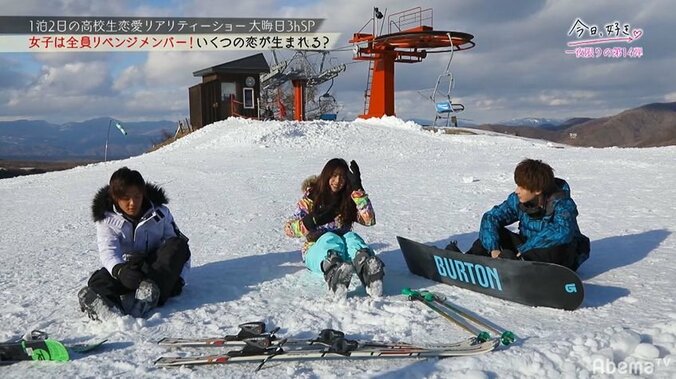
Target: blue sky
pixel 518 68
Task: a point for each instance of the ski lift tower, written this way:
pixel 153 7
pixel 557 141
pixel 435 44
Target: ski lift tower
pixel 409 39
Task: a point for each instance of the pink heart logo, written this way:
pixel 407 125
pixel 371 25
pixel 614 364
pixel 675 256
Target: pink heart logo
pixel 636 34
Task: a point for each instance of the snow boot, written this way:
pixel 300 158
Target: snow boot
pixel 337 273
pixel 145 299
pixel 508 254
pixel 371 271
pixel 453 246
pixel 95 306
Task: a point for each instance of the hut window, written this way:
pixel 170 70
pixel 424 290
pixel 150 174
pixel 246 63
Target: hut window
pixel 227 89
pixel 249 98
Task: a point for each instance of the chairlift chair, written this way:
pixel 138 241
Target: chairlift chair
pixel 445 108
pixel 328 105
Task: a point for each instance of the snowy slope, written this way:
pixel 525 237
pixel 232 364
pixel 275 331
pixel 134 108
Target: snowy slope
pixel 234 183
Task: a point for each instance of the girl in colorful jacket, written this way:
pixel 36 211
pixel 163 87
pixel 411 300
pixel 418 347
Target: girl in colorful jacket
pixel 331 204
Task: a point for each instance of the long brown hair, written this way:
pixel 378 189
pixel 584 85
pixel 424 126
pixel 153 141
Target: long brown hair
pixel 322 195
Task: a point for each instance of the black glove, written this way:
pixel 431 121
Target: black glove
pixel 135 259
pixel 354 176
pixel 129 275
pixel 320 217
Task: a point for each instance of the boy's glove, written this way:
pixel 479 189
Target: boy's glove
pixel 129 275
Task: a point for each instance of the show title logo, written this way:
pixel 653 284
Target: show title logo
pixel 589 37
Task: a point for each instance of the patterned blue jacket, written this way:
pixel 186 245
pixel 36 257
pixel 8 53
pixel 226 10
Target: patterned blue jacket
pixel 555 225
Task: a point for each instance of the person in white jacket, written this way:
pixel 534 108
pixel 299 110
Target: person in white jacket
pixel 144 255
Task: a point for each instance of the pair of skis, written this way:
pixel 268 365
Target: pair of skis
pixel 460 316
pixel 254 344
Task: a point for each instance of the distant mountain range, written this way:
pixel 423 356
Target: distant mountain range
pixel 549 123
pixel 646 126
pixel 41 140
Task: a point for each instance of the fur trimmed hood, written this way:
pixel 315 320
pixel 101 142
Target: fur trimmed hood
pixel 308 182
pixel 103 203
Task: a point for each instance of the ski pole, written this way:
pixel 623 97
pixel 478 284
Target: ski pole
pixel 481 336
pixel 506 336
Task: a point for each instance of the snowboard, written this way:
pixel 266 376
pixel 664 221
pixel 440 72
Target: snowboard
pixel 531 283
pixel 42 350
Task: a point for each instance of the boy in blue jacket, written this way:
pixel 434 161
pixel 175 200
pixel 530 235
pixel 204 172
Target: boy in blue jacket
pixel 547 216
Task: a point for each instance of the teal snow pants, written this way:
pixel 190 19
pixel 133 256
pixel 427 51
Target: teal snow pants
pixel 346 245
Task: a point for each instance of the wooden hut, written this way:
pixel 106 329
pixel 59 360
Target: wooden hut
pixel 229 89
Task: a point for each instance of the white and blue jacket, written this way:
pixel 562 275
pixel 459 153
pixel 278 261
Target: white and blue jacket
pixel 117 235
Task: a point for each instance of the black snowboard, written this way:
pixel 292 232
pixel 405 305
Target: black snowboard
pixel 530 283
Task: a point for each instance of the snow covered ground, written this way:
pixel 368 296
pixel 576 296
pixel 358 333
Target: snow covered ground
pixel 234 183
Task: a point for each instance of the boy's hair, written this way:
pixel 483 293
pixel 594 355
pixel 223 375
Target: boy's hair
pixel 124 178
pixel 534 175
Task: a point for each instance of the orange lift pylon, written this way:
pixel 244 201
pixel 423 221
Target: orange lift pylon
pixel 299 99
pixel 409 39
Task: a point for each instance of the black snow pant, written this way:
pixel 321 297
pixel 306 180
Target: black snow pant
pixel 564 255
pixel 162 266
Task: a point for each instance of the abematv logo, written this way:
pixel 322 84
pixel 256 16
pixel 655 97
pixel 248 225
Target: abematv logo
pixel 591 41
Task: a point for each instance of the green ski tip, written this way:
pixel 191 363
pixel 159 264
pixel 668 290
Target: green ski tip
pixel 507 337
pixel 483 337
pixel 410 293
pixel 47 350
pixel 414 294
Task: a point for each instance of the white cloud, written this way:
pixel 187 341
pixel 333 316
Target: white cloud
pixel 149 100
pixel 80 78
pixel 562 98
pixel 129 78
pixel 171 69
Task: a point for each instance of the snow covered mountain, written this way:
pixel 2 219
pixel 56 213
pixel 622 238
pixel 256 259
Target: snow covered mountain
pixel 232 185
pixel 533 122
